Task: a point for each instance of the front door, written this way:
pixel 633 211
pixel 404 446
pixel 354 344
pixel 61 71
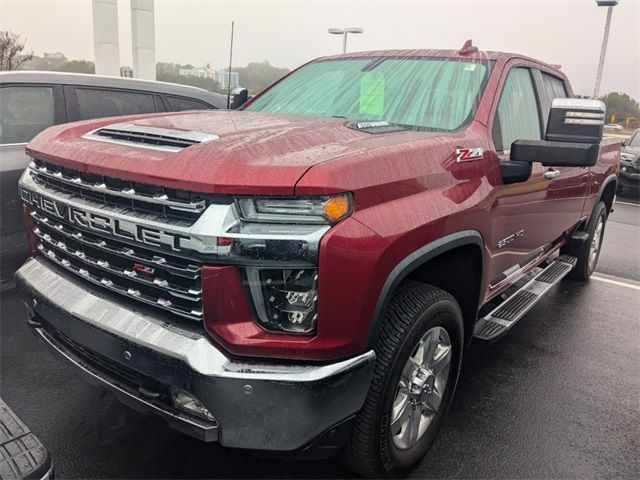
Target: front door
pixel 528 217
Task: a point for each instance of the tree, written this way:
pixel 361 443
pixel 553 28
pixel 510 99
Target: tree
pixel 11 48
pixel 258 75
pixel 622 108
pixel 77 66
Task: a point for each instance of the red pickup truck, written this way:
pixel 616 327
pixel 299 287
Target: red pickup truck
pixel 302 275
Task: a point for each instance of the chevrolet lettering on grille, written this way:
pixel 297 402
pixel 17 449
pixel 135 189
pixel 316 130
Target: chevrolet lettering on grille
pixel 100 223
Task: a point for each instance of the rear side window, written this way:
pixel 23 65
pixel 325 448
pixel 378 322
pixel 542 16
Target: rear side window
pixel 178 104
pixel 24 112
pixel 517 117
pixel 95 103
pixel 551 87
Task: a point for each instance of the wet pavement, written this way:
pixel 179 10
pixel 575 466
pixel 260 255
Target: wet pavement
pixel 559 396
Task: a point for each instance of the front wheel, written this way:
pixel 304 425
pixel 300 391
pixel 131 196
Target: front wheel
pixel 419 352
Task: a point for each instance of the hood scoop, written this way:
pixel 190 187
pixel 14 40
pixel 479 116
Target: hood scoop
pixel 156 138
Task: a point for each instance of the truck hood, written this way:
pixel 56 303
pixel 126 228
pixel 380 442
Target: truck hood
pixel 255 152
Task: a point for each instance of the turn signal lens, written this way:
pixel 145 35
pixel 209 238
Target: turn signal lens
pixel 336 208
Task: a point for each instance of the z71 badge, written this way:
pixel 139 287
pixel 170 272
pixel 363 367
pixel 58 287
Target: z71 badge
pixel 469 154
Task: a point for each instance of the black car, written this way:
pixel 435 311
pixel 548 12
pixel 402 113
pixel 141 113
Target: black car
pixel 630 166
pixel 32 101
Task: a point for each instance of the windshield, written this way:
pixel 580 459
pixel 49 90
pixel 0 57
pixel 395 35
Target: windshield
pixel 420 93
pixel 635 140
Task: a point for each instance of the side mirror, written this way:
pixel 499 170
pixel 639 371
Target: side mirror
pixel 574 133
pixel 239 97
pixel 624 142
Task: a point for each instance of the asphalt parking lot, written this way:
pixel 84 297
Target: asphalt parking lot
pixel 559 396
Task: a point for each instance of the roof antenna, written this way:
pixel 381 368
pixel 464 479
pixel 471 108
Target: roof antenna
pixel 230 61
pixel 468 48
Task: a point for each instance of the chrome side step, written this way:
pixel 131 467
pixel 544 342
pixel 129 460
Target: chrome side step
pixel 505 316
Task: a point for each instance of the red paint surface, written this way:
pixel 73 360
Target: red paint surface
pixel 407 187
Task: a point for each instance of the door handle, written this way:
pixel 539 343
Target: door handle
pixel 551 174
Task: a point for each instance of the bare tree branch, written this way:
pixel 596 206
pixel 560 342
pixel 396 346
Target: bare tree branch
pixel 11 48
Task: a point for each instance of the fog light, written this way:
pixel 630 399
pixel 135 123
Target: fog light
pixel 188 403
pixel 285 300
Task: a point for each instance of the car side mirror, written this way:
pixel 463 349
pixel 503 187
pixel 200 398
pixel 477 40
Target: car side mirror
pixel 239 97
pixel 572 139
pixel 624 142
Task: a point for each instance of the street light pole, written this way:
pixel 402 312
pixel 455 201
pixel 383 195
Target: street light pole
pixel 344 32
pixel 609 4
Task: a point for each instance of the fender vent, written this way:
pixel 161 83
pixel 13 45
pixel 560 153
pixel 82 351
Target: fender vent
pixel 149 137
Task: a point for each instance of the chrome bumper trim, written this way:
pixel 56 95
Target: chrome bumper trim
pixel 257 404
pixel 193 348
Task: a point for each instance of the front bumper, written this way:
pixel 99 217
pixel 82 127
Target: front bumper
pixel 138 354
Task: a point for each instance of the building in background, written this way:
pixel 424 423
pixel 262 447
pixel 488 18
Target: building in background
pixel 198 72
pixel 222 77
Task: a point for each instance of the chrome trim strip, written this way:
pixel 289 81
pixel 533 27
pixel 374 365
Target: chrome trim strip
pixel 197 207
pixel 186 294
pixel 154 133
pixel 582 121
pixel 218 220
pixel 592 115
pixel 578 104
pixel 163 303
pixel 191 271
pixel 144 329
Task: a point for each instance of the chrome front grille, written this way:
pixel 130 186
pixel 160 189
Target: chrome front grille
pixel 165 281
pixel 111 191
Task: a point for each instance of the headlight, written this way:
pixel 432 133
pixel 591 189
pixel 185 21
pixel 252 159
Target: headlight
pixel 317 210
pixel 284 299
pixel 627 156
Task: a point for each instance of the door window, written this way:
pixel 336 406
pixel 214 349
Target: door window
pixel 518 117
pixel 178 104
pixel 550 87
pixel 24 112
pixel 96 103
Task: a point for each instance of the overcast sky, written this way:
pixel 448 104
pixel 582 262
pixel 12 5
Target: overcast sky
pixel 288 33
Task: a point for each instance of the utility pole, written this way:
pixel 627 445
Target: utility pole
pixel 609 4
pixel 230 61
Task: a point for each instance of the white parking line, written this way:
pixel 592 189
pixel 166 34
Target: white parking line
pixel 601 278
pixel 627 203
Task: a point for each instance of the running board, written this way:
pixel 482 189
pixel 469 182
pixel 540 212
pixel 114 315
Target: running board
pixel 505 316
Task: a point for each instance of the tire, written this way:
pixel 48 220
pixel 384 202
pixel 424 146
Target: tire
pixel 589 252
pixel 417 312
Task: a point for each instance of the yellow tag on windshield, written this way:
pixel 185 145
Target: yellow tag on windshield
pixel 372 94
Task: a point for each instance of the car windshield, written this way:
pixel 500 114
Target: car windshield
pixel 417 93
pixel 635 140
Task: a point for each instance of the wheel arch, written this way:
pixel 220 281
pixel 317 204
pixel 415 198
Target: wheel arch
pixel 465 249
pixel 607 192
